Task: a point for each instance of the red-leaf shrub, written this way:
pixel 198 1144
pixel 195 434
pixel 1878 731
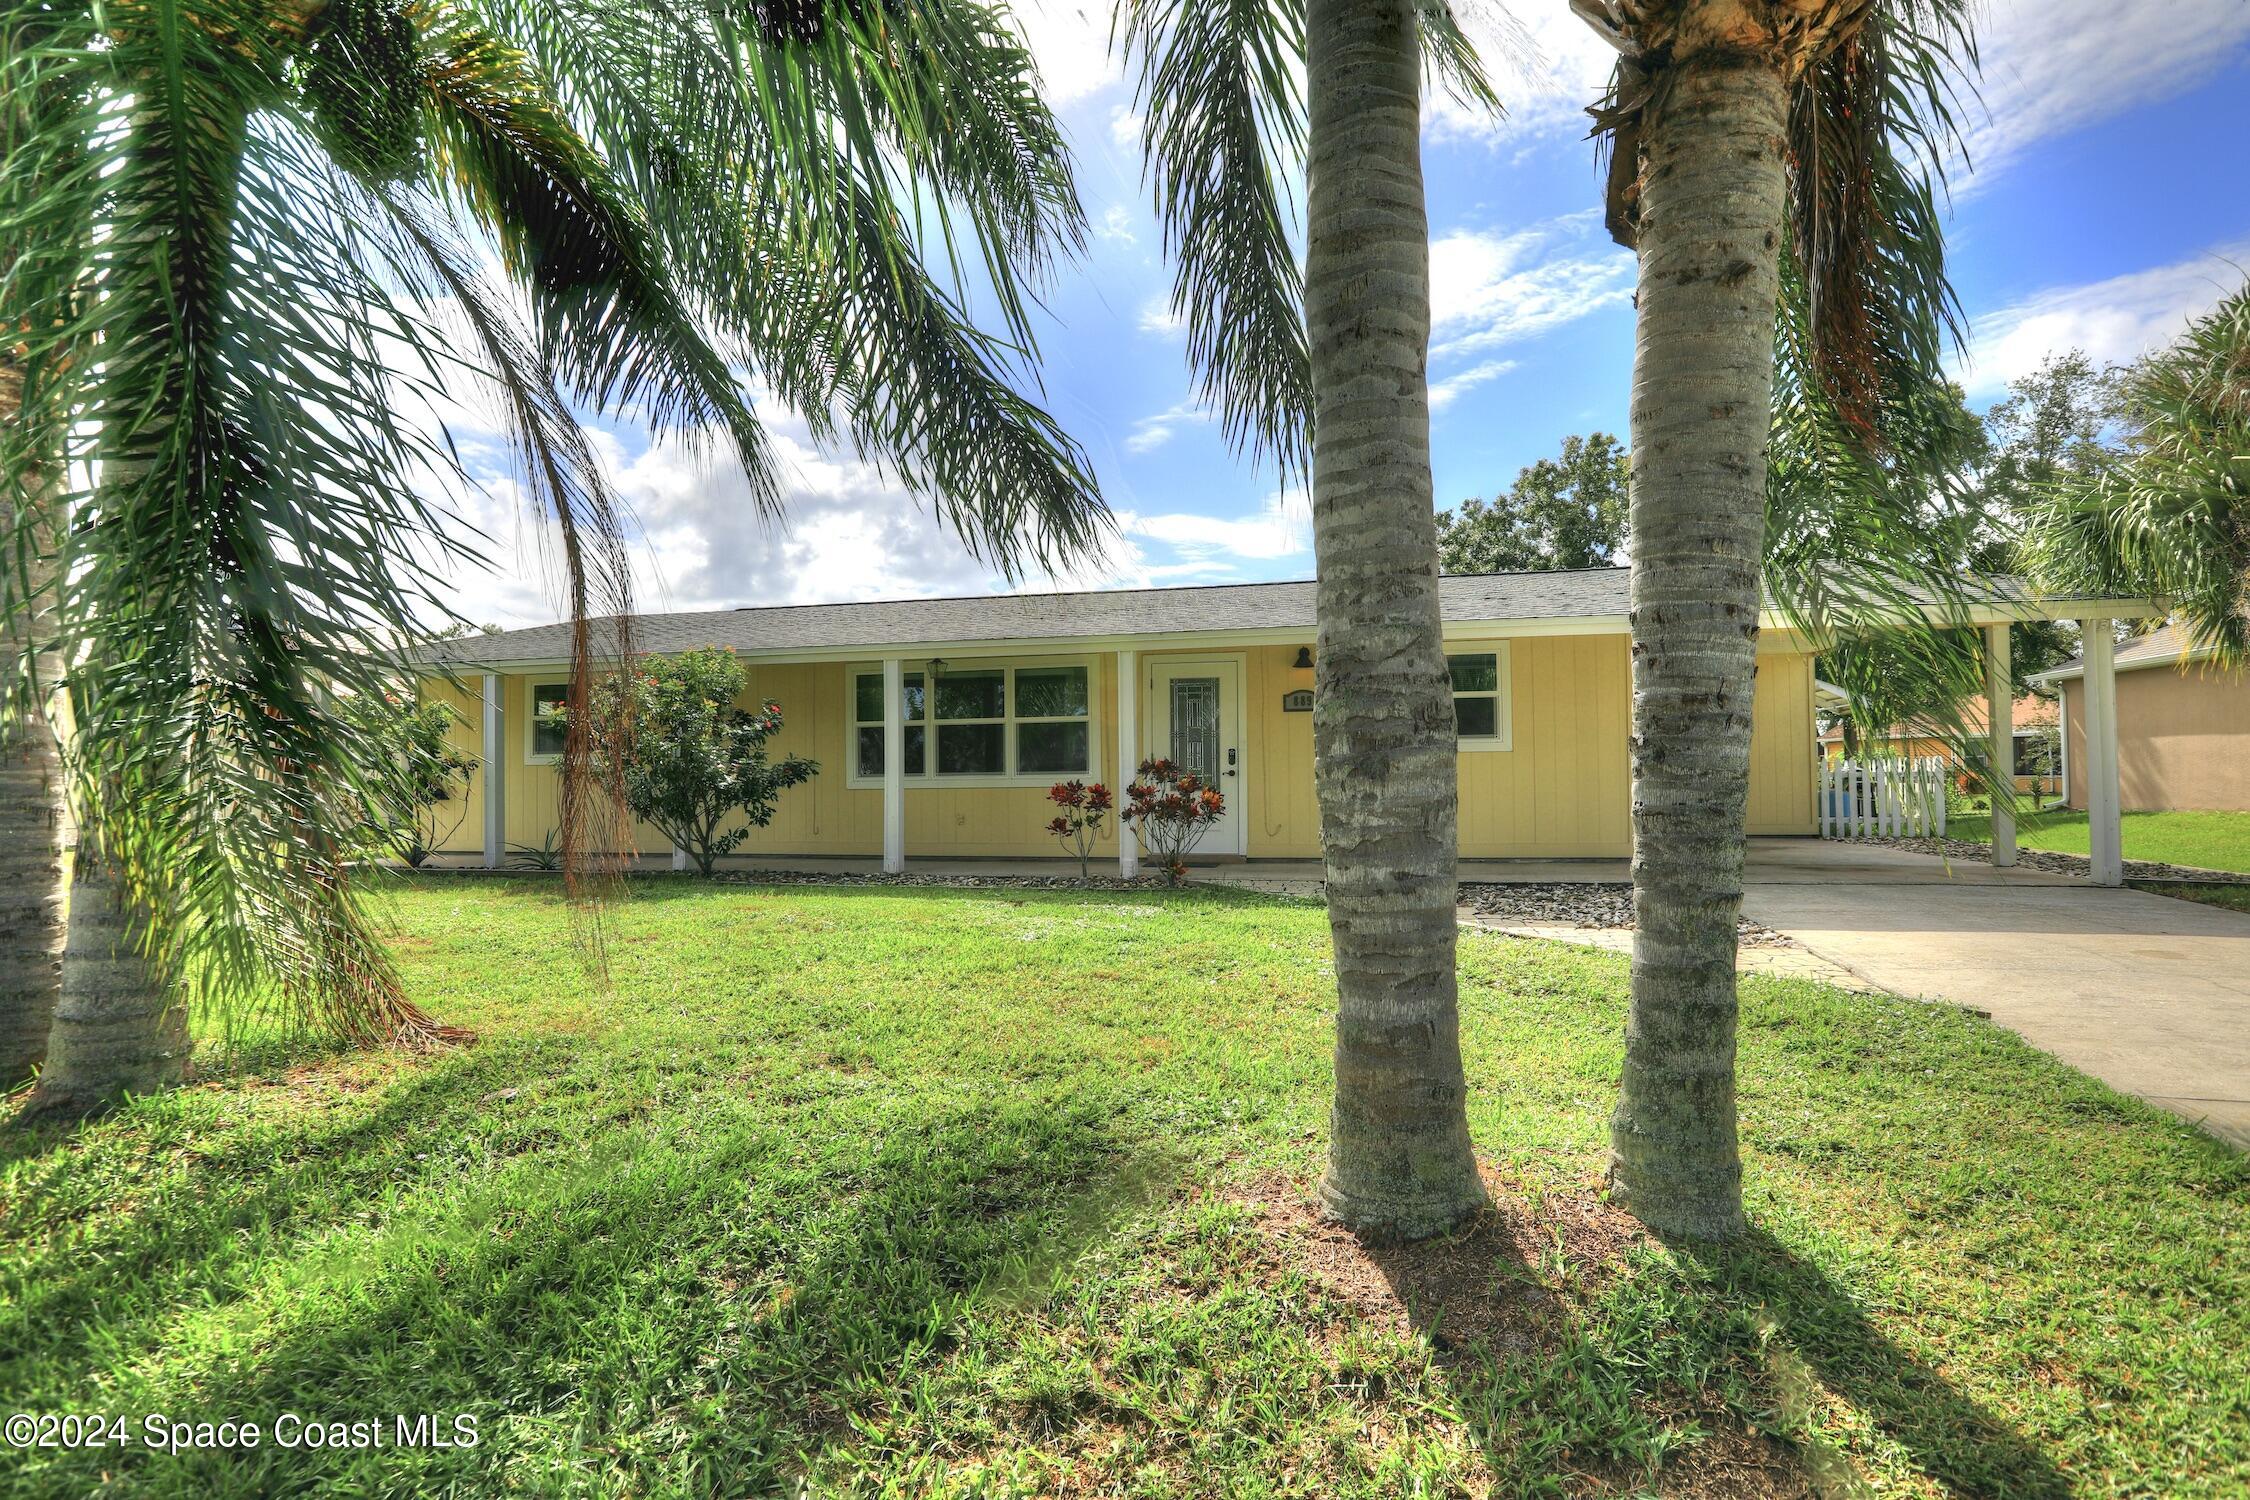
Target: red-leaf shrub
pixel 1079 825
pixel 1170 808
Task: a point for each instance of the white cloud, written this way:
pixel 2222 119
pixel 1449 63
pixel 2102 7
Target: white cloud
pixel 848 531
pixel 1069 39
pixel 1154 431
pixel 1282 527
pixel 1116 223
pixel 1443 393
pixel 1124 128
pixel 2053 66
pixel 1489 288
pixel 2112 320
pixel 1157 317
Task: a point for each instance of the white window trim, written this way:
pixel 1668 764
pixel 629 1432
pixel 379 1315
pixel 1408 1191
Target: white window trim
pixel 531 755
pixel 930 780
pixel 1503 695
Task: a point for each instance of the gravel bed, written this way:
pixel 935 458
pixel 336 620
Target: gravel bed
pixel 1585 904
pixel 1964 851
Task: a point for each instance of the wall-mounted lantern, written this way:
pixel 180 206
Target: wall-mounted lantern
pixel 1303 663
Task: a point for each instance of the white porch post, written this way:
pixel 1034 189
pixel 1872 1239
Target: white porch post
pixel 2105 831
pixel 894 766
pixel 2000 744
pixel 1128 756
pixel 495 771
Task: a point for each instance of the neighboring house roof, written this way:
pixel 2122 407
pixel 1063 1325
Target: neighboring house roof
pixel 2167 645
pixel 1587 594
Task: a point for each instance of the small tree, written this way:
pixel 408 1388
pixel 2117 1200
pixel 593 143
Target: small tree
pixel 1170 808
pixel 691 758
pixel 1079 824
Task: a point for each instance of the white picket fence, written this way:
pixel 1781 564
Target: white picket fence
pixel 1874 799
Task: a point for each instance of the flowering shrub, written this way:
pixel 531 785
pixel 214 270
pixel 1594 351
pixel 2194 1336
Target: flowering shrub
pixel 1079 824
pixel 691 758
pixel 1170 808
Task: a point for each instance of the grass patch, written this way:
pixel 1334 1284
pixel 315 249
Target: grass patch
pixel 2200 840
pixel 982 1193
pixel 2204 892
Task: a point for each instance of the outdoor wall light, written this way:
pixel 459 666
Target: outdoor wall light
pixel 1304 659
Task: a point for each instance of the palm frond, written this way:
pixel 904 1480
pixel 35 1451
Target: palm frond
pixel 569 488
pixel 1870 121
pixel 1452 57
pixel 803 241
pixel 1222 106
pixel 244 476
pixel 927 395
pixel 2173 518
pixel 611 321
pixel 1866 529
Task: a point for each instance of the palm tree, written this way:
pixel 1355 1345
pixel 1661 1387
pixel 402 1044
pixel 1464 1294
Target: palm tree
pixel 1762 159
pixel 247 239
pixel 1224 123
pixel 33 810
pixel 2171 516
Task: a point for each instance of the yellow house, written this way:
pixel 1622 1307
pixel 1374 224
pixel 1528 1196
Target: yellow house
pixel 939 724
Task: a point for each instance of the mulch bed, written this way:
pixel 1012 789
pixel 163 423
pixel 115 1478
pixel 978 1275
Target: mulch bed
pixel 1584 904
pixel 1964 851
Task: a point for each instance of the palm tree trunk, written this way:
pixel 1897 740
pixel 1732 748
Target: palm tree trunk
pixel 1399 1157
pixel 35 825
pixel 1711 206
pixel 118 1031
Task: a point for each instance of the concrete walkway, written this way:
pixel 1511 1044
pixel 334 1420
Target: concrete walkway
pixel 2149 994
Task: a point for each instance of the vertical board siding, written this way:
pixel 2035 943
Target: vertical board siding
pixel 466 700
pixel 1784 750
pixel 1562 789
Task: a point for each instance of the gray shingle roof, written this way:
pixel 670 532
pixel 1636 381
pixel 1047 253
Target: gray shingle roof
pixel 1468 598
pixel 2166 643
pixel 1586 594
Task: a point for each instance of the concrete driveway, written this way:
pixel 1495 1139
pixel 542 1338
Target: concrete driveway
pixel 2149 994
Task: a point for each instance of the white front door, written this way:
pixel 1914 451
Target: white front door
pixel 1195 721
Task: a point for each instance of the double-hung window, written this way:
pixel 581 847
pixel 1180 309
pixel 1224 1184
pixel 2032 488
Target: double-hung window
pixel 867 723
pixel 548 731
pixel 1480 697
pixel 982 722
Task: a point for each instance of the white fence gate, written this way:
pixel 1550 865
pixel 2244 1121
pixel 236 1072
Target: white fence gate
pixel 1883 798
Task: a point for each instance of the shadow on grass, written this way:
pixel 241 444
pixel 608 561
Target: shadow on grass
pixel 694 1308
pixel 1818 1329
pixel 1583 1358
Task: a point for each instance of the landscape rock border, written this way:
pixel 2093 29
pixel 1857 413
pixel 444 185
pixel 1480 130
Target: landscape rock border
pixel 1965 851
pixel 1591 904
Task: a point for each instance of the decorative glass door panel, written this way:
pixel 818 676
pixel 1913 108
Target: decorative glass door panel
pixel 1195 726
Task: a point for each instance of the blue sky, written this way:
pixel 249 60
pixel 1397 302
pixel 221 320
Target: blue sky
pixel 2106 201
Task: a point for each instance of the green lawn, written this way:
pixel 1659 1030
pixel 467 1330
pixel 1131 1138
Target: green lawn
pixel 2204 840
pixel 887 1192
pixel 2207 893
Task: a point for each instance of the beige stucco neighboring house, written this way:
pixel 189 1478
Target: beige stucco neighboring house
pixel 2183 727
